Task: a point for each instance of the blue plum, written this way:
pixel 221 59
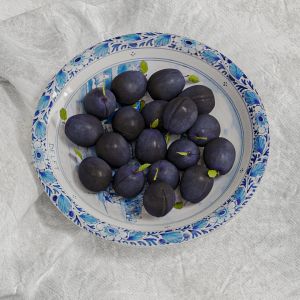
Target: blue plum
pixel 83 129
pixel 154 111
pixel 128 122
pixel 129 87
pixel 183 153
pixel 204 130
pixel 165 84
pixel 164 171
pixel 95 174
pixel 159 199
pixel 202 96
pixel 150 146
pixel 99 105
pixel 219 154
pixel 179 115
pixel 128 181
pixel 195 184
pixel 114 149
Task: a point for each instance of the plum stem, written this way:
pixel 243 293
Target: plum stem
pixel 184 153
pixel 103 88
pixel 156 174
pixel 212 173
pixel 143 167
pixel 200 138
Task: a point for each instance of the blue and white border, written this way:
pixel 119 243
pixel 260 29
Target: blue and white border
pixel 248 185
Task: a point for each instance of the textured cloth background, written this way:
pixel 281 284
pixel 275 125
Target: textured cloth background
pixel 44 256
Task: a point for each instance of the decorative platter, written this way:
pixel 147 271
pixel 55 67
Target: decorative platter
pixel 239 110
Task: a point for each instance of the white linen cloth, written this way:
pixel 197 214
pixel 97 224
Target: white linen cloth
pixel 45 256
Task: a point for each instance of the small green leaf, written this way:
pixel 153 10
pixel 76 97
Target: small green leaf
pixel 212 173
pixel 156 174
pixel 143 67
pixel 63 114
pixel 193 78
pixel 179 205
pixel 78 153
pixel 200 138
pixel 103 88
pixel 167 138
pixel 154 123
pixel 183 153
pixel 143 167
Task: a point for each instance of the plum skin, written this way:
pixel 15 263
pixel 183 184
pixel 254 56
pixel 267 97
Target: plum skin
pixel 219 154
pixel 95 174
pixel 154 110
pixel 165 84
pixel 159 199
pixel 179 115
pixel 202 96
pixel 128 182
pixel 83 129
pixel 206 126
pixel 183 145
pixel 95 103
pixel 150 146
pixel 195 184
pixel 114 149
pixel 128 122
pixel 167 173
pixel 129 87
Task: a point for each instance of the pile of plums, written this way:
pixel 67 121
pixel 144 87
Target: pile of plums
pixel 138 139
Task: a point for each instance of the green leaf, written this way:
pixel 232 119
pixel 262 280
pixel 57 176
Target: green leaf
pixel 179 205
pixel 200 138
pixel 78 153
pixel 183 153
pixel 193 78
pixel 212 173
pixel 154 123
pixel 142 104
pixel 143 67
pixel 167 138
pixel 103 88
pixel 156 174
pixel 63 114
pixel 143 167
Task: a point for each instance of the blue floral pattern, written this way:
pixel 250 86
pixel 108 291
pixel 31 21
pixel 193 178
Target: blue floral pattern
pixel 69 207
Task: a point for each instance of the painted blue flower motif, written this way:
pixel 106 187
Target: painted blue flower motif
pixel 101 50
pixel 240 195
pixel 172 236
pixel 259 144
pixel 38 155
pixel 258 169
pixel 261 119
pixel 64 204
pixel 251 98
pixel 88 218
pixel 135 235
pixel 47 176
pixel 162 40
pixel 40 129
pixel 222 214
pixel 130 37
pixel 77 60
pixel 200 224
pixel 43 102
pixel 61 78
pixel 110 232
pixel 235 71
pixel 188 43
pixel 210 56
